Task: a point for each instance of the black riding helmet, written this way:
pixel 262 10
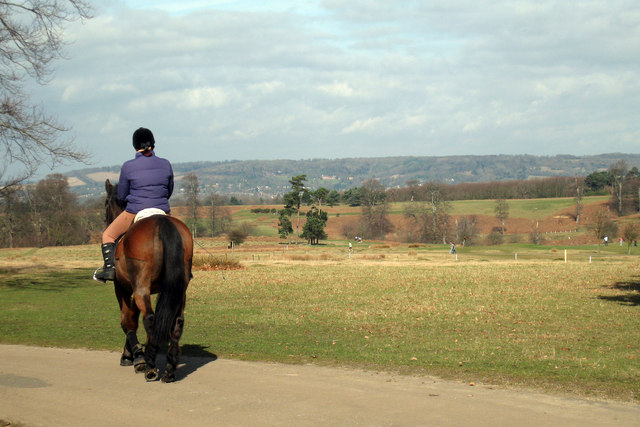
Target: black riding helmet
pixel 143 140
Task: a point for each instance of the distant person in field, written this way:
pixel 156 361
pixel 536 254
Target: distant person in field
pixel 453 248
pixel 145 182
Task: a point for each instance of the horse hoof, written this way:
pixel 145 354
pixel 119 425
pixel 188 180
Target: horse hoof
pixel 126 361
pixel 151 374
pixel 167 377
pixel 139 365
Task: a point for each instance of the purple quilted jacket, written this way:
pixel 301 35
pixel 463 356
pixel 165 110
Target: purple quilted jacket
pixel 146 182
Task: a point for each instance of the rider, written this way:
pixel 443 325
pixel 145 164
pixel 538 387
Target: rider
pixel 145 182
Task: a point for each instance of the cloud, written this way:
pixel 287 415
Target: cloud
pixel 366 125
pixel 339 89
pixel 338 78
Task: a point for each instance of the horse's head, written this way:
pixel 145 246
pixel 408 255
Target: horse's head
pixel 113 206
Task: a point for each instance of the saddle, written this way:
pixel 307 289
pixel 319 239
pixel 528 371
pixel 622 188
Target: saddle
pixel 144 213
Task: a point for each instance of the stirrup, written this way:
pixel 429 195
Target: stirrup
pixel 99 279
pixel 96 278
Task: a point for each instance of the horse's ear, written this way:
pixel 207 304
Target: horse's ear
pixel 108 186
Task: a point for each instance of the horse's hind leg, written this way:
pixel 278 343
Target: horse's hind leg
pixel 151 349
pixel 133 351
pixel 144 360
pixel 143 301
pixel 173 354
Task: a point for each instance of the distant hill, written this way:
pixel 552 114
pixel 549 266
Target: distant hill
pixel 267 178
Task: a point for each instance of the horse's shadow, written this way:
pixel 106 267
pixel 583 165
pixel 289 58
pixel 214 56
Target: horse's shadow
pixel 631 296
pixel 194 356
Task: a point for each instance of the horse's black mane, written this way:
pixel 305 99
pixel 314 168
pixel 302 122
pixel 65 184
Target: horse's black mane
pixel 114 195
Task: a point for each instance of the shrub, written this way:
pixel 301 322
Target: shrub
pixel 210 262
pixel 536 237
pixel 495 238
pixel 515 238
pixel 237 236
pixel 349 230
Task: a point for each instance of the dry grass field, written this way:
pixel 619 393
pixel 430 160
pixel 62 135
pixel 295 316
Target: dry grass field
pixel 554 218
pixel 484 315
pixel 560 317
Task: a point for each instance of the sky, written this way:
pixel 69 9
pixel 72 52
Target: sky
pixel 242 80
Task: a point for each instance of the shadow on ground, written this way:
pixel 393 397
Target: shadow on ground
pixel 194 356
pixel 630 295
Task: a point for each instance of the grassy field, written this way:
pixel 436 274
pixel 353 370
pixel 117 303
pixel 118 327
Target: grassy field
pixel 485 316
pixel 520 208
pixel 524 216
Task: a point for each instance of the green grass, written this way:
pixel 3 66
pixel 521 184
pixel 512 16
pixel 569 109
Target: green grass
pixel 553 327
pixel 518 208
pixel 59 308
pixel 539 322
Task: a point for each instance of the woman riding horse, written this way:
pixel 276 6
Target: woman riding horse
pixel 145 182
pixel 153 257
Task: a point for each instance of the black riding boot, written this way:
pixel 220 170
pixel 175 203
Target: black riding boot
pixel 109 269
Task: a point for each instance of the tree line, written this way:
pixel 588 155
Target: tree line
pixel 428 219
pixel 48 213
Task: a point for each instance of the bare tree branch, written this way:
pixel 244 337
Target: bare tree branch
pixel 30 39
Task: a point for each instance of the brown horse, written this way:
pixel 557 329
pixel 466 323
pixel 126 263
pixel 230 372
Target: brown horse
pixel 153 257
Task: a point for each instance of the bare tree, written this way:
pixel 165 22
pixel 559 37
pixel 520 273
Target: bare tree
pixel 413 186
pixel 603 227
pixel 30 40
pixel 375 222
pixel 466 229
pixel 502 212
pixel 10 216
pixel 630 233
pixel 618 171
pixel 579 187
pixel 430 220
pixel 439 213
pixel 191 189
pixel 220 218
pixel 60 220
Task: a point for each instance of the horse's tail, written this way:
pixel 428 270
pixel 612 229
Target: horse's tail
pixel 173 280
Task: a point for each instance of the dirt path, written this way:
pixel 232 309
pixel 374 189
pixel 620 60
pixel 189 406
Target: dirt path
pixel 51 387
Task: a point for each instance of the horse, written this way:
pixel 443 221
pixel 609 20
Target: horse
pixel 153 257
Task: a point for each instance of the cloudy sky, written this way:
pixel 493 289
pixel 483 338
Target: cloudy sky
pixel 223 80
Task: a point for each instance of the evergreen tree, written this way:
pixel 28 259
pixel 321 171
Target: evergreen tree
pixel 352 196
pixel 292 202
pixel 284 224
pixel 313 229
pixel 333 198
